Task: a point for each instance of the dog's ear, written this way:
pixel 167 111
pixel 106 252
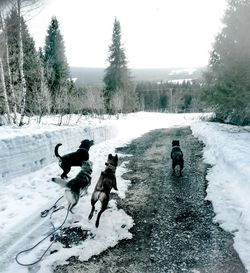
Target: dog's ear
pixel 116 158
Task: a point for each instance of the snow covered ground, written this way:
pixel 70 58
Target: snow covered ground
pixel 227 150
pixel 24 193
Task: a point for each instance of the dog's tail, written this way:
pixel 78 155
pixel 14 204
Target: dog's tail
pixel 56 150
pixel 63 183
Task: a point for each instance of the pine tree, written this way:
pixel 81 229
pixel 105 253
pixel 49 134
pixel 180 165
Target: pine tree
pixel 15 55
pixel 117 76
pixel 56 66
pixel 228 77
pixel 31 66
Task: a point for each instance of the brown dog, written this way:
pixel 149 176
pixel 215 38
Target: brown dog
pixel 177 156
pixel 105 183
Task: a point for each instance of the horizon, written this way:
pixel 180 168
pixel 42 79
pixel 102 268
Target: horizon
pixel 146 68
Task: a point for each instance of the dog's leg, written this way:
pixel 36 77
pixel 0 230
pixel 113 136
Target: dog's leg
pixel 76 199
pixel 72 198
pixel 181 168
pixel 173 167
pixel 66 170
pixel 71 207
pixel 105 200
pixel 92 212
pixel 94 199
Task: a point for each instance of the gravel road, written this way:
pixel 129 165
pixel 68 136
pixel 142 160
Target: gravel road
pixel 174 230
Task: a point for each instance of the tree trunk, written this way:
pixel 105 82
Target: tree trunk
pixel 23 81
pixel 44 93
pixel 12 92
pixel 4 92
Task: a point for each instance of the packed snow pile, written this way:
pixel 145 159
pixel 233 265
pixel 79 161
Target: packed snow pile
pixel 227 150
pixel 27 149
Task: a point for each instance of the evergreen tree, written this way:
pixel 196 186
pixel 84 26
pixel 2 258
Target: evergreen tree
pixel 11 23
pixel 116 74
pixel 228 77
pixel 31 66
pixel 56 66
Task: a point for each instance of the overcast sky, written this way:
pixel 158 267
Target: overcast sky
pixel 155 33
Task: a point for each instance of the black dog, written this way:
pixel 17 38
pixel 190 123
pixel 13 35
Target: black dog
pixel 75 186
pixel 104 185
pixel 177 156
pixel 75 158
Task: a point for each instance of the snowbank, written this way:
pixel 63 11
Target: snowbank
pixel 27 149
pixel 227 151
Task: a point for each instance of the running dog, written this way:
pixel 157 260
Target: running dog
pixel 177 156
pixel 75 158
pixel 104 185
pixel 75 186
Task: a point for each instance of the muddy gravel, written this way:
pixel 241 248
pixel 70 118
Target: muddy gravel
pixel 174 229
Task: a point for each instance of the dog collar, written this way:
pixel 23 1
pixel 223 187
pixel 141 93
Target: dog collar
pixel 110 166
pixel 89 177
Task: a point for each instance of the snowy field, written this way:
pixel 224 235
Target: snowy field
pixel 25 192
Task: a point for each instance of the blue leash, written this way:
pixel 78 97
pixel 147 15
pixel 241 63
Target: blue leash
pixel 43 214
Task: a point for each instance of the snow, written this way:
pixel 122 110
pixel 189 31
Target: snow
pixel 180 81
pixel 227 150
pixel 38 143
pixel 26 191
pixel 189 71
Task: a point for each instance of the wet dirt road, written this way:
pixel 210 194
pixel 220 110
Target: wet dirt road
pixel 174 230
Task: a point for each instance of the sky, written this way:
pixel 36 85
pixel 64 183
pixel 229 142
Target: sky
pixel 155 33
pixel 27 194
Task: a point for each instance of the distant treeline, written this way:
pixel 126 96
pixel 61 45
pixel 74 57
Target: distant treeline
pixel 170 97
pixel 94 76
pixel 154 89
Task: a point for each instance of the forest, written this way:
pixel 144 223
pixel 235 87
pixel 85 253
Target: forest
pixel 40 82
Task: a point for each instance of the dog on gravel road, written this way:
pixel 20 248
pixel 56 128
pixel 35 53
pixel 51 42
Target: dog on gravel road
pixel 177 156
pixel 104 185
pixel 75 158
pixel 75 186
